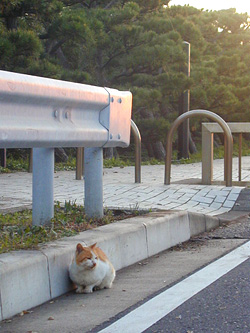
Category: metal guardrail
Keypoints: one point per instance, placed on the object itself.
(228, 145)
(43, 113)
(53, 113)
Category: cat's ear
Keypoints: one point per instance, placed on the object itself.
(93, 246)
(79, 248)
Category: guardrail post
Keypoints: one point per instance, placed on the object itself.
(43, 186)
(93, 184)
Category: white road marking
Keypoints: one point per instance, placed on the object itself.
(158, 307)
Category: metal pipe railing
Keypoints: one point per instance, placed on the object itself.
(228, 136)
(79, 163)
(137, 137)
(240, 156)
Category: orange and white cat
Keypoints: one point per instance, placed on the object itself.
(91, 268)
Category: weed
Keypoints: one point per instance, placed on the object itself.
(17, 231)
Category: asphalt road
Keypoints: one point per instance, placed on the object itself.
(213, 299)
(224, 306)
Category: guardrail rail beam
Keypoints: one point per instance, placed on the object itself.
(44, 113)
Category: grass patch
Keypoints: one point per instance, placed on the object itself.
(15, 165)
(21, 164)
(218, 154)
(18, 233)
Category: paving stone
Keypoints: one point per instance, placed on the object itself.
(202, 199)
(121, 191)
(215, 205)
(228, 203)
(220, 199)
(233, 196)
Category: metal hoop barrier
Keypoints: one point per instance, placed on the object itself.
(79, 163)
(228, 142)
(137, 137)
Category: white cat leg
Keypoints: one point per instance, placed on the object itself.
(80, 290)
(98, 285)
(107, 282)
(88, 289)
(105, 285)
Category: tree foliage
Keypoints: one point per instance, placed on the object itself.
(138, 46)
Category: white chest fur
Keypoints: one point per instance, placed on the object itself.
(84, 277)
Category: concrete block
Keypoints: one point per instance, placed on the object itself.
(124, 242)
(24, 281)
(211, 222)
(59, 256)
(1, 311)
(197, 223)
(165, 230)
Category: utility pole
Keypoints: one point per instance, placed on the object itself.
(184, 106)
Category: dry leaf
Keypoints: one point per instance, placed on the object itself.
(51, 318)
(27, 312)
(24, 313)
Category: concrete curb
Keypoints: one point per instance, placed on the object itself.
(30, 278)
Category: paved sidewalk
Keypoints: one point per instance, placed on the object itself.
(120, 191)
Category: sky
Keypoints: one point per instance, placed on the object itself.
(241, 6)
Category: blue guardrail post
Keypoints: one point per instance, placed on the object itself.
(43, 186)
(93, 183)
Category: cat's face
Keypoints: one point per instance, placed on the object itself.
(86, 256)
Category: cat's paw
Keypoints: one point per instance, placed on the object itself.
(88, 290)
(80, 290)
(108, 286)
(105, 286)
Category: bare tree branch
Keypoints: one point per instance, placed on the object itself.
(110, 4)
